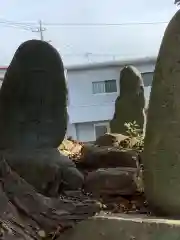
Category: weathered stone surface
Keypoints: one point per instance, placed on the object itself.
(26, 214)
(126, 227)
(33, 98)
(46, 169)
(129, 106)
(120, 181)
(161, 156)
(115, 140)
(94, 157)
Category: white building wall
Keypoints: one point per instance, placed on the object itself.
(71, 131)
(86, 108)
(2, 73)
(85, 131)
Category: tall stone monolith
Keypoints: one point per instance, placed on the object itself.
(161, 156)
(33, 119)
(33, 98)
(129, 106)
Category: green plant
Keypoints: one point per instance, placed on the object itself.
(134, 131)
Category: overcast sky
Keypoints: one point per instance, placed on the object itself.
(103, 42)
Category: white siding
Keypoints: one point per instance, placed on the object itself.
(84, 106)
(2, 72)
(71, 131)
(86, 131)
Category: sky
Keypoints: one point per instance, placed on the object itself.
(83, 44)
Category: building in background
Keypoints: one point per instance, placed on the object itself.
(92, 91)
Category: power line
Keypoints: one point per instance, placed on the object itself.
(33, 24)
(14, 26)
(103, 24)
(38, 27)
(25, 26)
(5, 21)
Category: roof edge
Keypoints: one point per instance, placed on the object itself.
(123, 62)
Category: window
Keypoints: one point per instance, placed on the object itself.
(148, 78)
(100, 129)
(1, 81)
(65, 75)
(108, 86)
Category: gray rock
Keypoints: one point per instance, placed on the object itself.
(48, 171)
(161, 156)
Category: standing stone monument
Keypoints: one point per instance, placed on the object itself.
(161, 156)
(129, 106)
(33, 118)
(33, 98)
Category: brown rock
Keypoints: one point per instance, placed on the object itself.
(115, 140)
(94, 157)
(111, 139)
(111, 181)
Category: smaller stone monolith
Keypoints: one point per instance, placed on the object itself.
(129, 106)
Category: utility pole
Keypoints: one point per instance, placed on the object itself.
(40, 30)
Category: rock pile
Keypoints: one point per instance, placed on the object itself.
(112, 174)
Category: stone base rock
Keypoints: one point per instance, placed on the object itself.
(125, 227)
(111, 181)
(116, 140)
(25, 214)
(48, 171)
(111, 139)
(94, 157)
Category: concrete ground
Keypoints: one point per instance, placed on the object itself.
(124, 227)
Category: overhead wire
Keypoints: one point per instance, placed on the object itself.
(33, 26)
